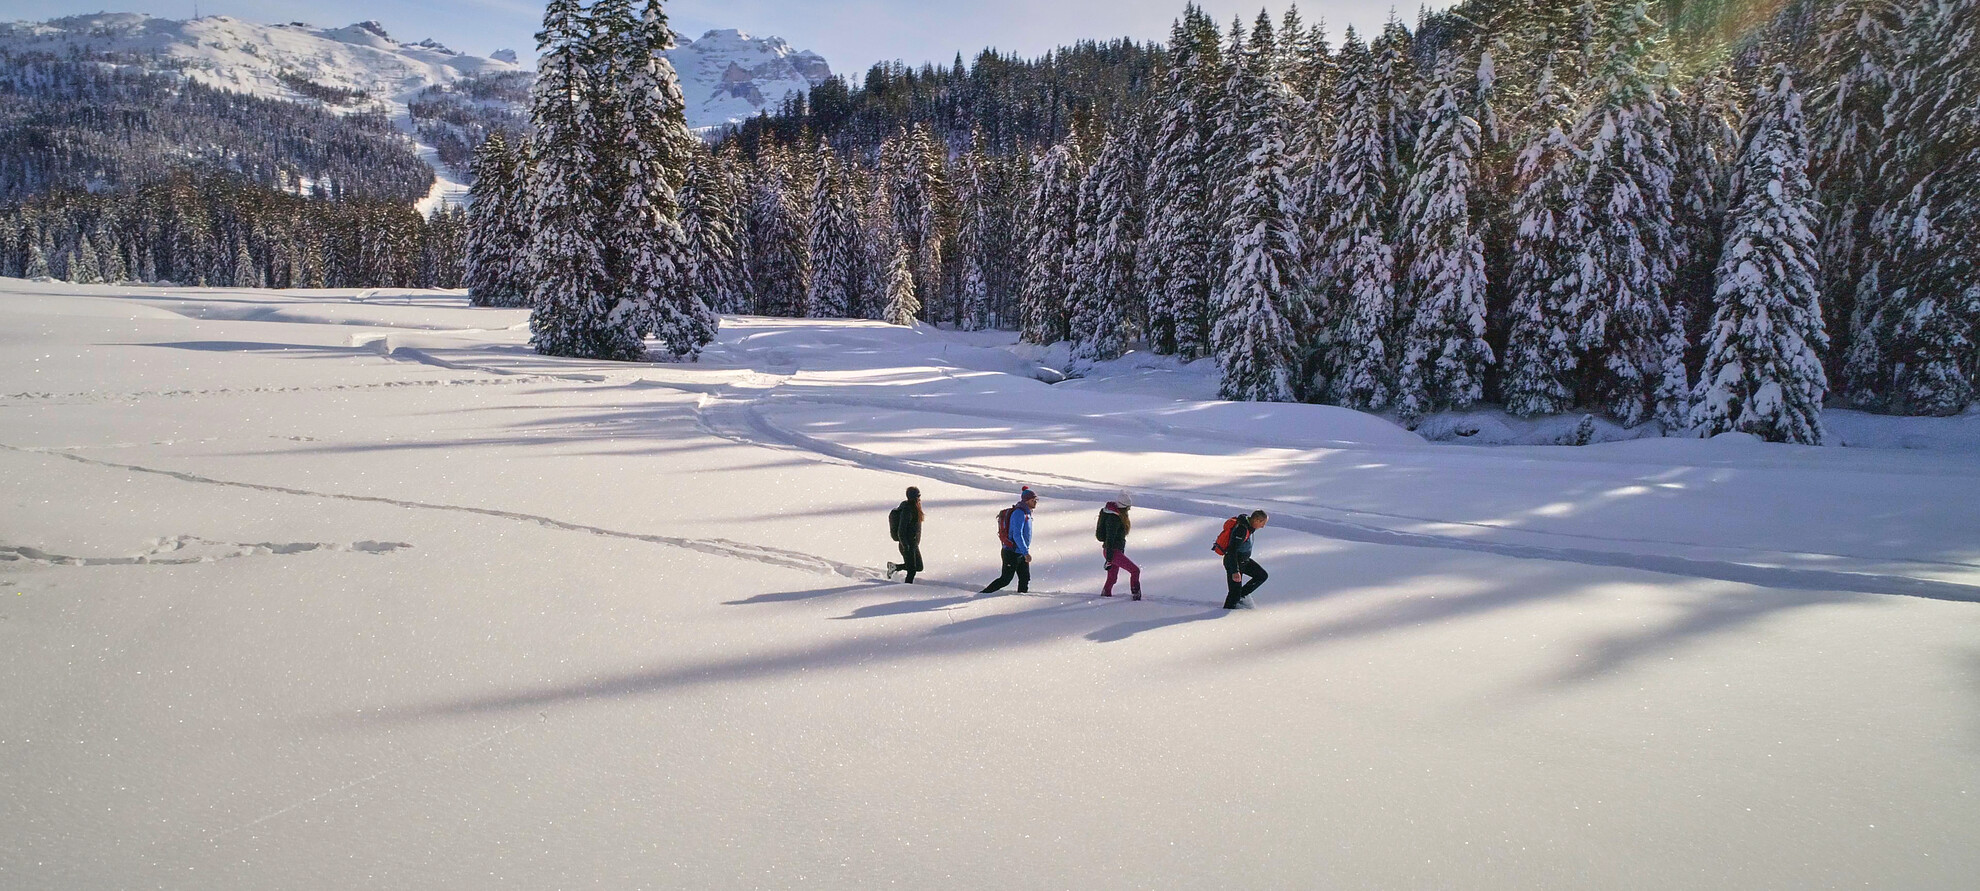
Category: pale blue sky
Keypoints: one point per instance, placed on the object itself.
(851, 34)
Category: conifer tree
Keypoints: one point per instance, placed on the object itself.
(1179, 239)
(246, 275)
(1051, 232)
(1854, 72)
(85, 268)
(1356, 266)
(902, 305)
(713, 224)
(1105, 286)
(1763, 372)
(835, 253)
(1550, 226)
(649, 147)
(1256, 305)
(497, 234)
(1916, 353)
(571, 296)
(778, 261)
(973, 206)
(1444, 354)
(1638, 356)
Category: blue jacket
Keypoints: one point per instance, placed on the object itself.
(1021, 530)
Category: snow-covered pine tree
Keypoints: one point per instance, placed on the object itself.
(649, 146)
(1918, 352)
(712, 224)
(1356, 266)
(1444, 354)
(497, 237)
(778, 260)
(1855, 70)
(1051, 233)
(1257, 302)
(1631, 349)
(1705, 139)
(835, 257)
(1107, 310)
(1393, 79)
(974, 194)
(903, 307)
(1763, 369)
(929, 164)
(1550, 227)
(571, 295)
(246, 273)
(86, 269)
(111, 253)
(1179, 235)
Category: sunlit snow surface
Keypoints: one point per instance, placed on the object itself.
(351, 589)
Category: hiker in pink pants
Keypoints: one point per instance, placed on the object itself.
(1112, 531)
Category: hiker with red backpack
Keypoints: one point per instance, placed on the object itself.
(1234, 545)
(1112, 530)
(905, 524)
(1014, 533)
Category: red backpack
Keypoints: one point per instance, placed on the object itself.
(1004, 527)
(1224, 538)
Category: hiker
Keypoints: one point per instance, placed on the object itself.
(1014, 533)
(906, 526)
(1112, 530)
(1235, 546)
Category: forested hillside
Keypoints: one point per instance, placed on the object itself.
(1705, 216)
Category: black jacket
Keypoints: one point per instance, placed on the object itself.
(1113, 532)
(1240, 548)
(910, 523)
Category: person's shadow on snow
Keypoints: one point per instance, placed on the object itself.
(1124, 630)
(794, 596)
(904, 607)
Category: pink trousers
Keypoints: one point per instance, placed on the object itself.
(1114, 568)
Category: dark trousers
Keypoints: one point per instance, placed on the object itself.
(910, 559)
(1014, 565)
(1252, 571)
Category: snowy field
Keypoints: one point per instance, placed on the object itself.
(350, 589)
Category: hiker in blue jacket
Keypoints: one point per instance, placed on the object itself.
(1014, 533)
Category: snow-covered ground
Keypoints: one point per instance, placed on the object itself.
(350, 589)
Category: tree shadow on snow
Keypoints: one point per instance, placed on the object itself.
(1124, 630)
(796, 596)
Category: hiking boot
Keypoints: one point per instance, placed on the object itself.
(891, 569)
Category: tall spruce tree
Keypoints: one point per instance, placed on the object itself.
(1051, 232)
(1180, 238)
(1550, 226)
(902, 305)
(1444, 354)
(1763, 369)
(1637, 356)
(835, 250)
(648, 148)
(1919, 350)
(1105, 287)
(712, 225)
(1357, 266)
(778, 261)
(1257, 303)
(498, 231)
(571, 297)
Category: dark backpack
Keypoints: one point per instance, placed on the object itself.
(894, 523)
(1224, 538)
(1004, 527)
(1100, 527)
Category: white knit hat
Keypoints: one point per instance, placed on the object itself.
(1124, 499)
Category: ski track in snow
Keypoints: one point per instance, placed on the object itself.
(718, 547)
(160, 553)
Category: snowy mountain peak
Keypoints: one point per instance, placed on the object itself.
(247, 57)
(729, 75)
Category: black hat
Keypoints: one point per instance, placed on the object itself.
(913, 493)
